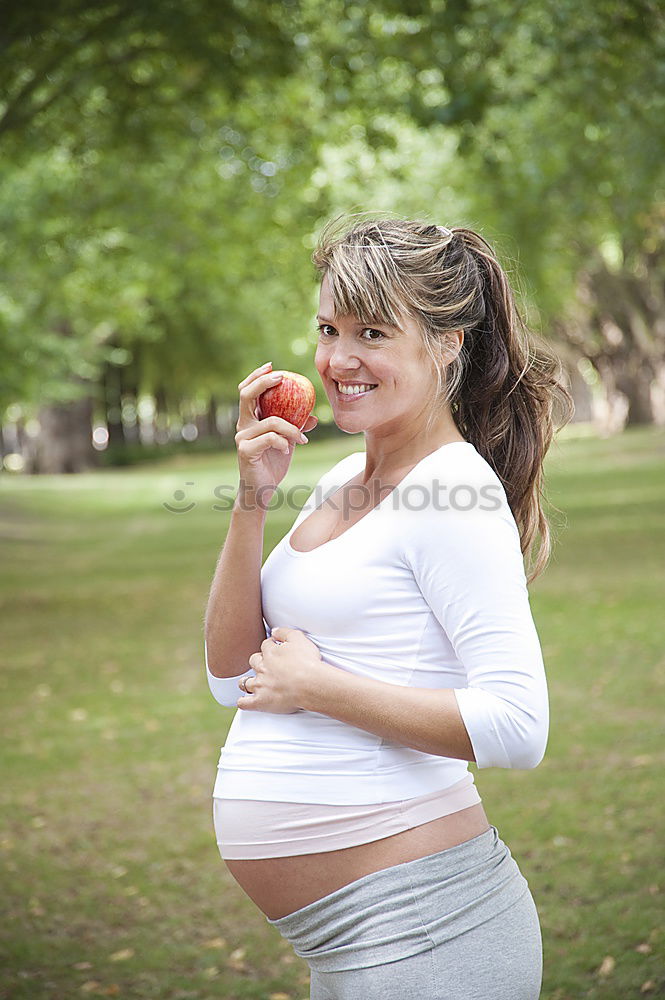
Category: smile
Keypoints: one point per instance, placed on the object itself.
(353, 391)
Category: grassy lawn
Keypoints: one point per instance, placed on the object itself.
(112, 884)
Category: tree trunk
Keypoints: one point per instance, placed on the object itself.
(64, 443)
(635, 382)
(211, 417)
(112, 386)
(130, 397)
(612, 407)
(161, 418)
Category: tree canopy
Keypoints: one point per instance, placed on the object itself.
(167, 167)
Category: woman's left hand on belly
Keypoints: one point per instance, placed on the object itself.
(284, 669)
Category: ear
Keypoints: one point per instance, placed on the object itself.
(457, 335)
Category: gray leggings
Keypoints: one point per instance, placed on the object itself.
(457, 925)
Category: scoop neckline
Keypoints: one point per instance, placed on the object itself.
(298, 553)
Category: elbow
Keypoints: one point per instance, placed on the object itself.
(528, 741)
(504, 733)
(529, 756)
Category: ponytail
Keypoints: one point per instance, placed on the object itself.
(507, 394)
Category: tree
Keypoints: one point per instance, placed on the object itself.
(125, 69)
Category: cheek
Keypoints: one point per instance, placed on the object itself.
(320, 360)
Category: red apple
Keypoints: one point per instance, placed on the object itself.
(292, 399)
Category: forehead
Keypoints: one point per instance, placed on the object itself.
(325, 297)
(327, 309)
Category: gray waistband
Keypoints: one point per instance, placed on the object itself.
(407, 908)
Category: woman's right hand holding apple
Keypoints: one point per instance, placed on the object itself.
(264, 446)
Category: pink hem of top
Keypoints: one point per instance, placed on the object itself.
(249, 828)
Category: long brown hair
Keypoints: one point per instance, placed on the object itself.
(503, 385)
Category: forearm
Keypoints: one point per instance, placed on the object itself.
(425, 719)
(234, 626)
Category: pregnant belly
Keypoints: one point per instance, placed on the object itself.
(286, 882)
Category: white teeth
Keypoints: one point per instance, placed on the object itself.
(354, 390)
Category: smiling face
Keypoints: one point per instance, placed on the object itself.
(393, 360)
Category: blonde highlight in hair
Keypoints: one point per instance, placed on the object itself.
(503, 385)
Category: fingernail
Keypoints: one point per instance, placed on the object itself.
(266, 365)
(303, 438)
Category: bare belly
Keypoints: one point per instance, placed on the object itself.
(279, 886)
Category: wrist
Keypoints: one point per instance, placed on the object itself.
(252, 502)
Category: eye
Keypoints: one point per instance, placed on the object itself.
(323, 329)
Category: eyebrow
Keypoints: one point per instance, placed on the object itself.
(389, 326)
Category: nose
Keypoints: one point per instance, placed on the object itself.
(342, 358)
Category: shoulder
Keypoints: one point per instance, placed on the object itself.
(454, 478)
(455, 503)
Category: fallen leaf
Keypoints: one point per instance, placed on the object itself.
(644, 948)
(647, 986)
(560, 841)
(91, 986)
(83, 965)
(122, 955)
(279, 996)
(215, 943)
(606, 966)
(236, 961)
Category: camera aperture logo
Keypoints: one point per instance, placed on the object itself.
(179, 496)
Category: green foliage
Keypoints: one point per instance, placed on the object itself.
(168, 166)
(130, 71)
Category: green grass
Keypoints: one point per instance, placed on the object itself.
(112, 884)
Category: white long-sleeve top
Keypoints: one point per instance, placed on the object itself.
(427, 590)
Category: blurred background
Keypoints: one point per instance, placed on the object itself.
(166, 170)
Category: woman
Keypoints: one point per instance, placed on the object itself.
(389, 634)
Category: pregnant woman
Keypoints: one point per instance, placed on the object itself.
(388, 639)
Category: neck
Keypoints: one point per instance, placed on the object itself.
(387, 455)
